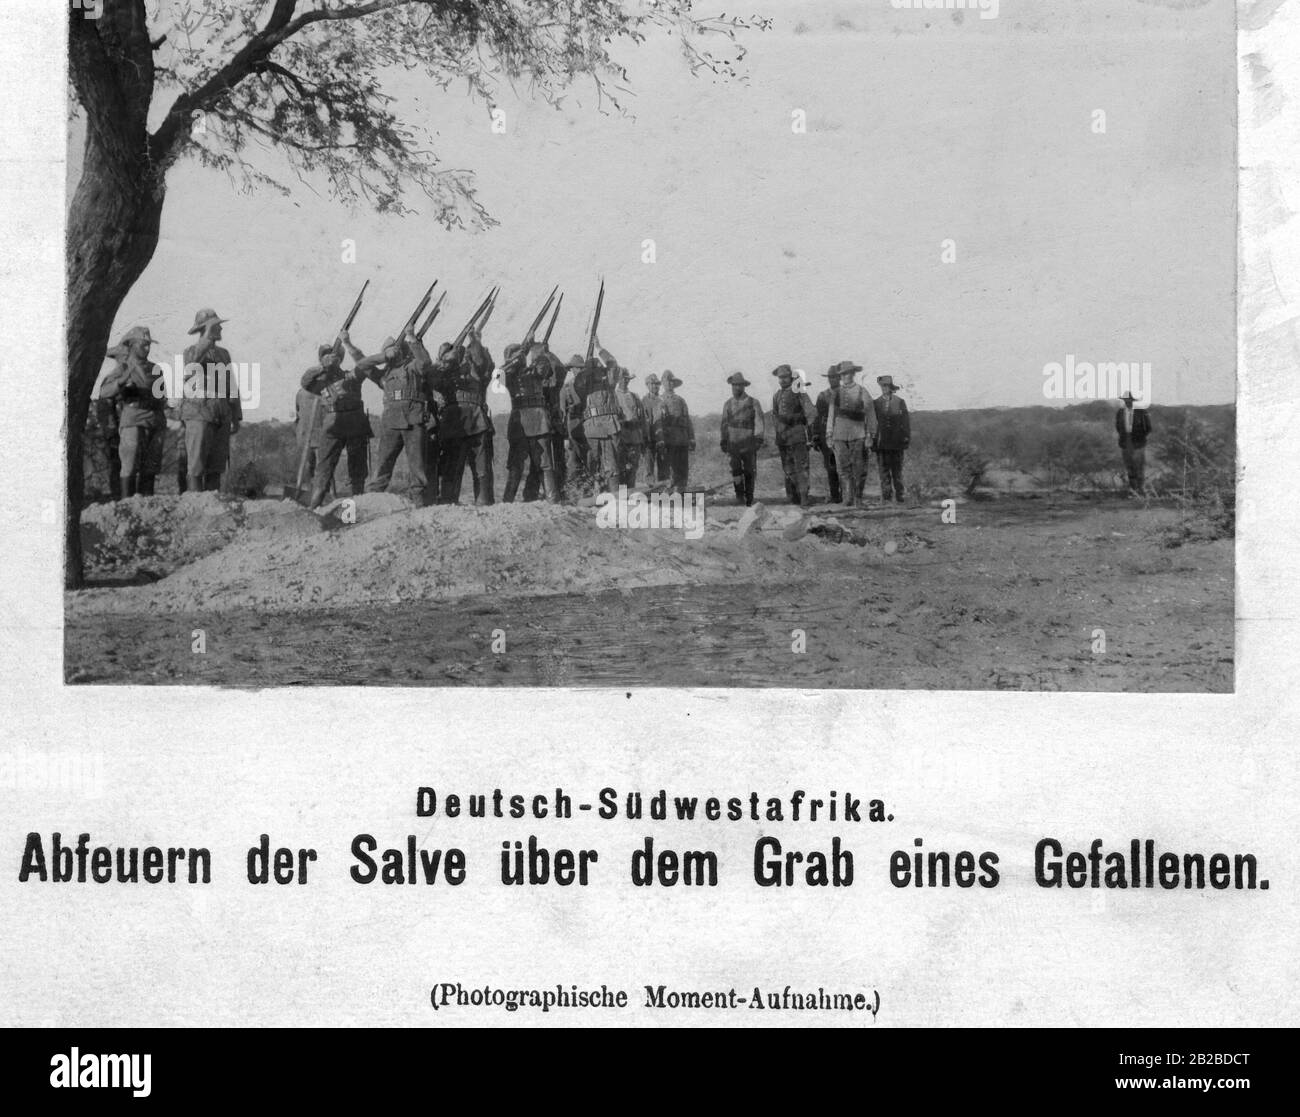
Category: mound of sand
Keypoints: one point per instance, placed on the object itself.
(159, 534)
(276, 555)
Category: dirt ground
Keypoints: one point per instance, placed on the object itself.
(1022, 593)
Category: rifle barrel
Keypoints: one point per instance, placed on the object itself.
(547, 339)
(595, 321)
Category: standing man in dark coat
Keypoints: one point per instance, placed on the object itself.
(656, 468)
(403, 370)
(1133, 426)
(526, 373)
(848, 422)
(822, 439)
(793, 417)
(633, 432)
(602, 421)
(743, 432)
(342, 414)
(678, 433)
(211, 409)
(893, 435)
(572, 405)
(461, 377)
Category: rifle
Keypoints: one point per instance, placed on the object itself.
(528, 337)
(474, 318)
(410, 322)
(432, 315)
(595, 322)
(488, 313)
(546, 340)
(356, 306)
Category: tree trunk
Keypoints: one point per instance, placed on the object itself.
(112, 235)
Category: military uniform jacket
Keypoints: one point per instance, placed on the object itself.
(793, 416)
(601, 416)
(848, 419)
(571, 405)
(139, 386)
(742, 424)
(463, 386)
(1137, 438)
(206, 398)
(530, 414)
(675, 421)
(409, 400)
(893, 427)
(633, 417)
(342, 412)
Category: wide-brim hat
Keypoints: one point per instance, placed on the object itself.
(652, 379)
(389, 342)
(886, 381)
(783, 370)
(671, 378)
(832, 373)
(512, 349)
(846, 367)
(322, 351)
(205, 317)
(137, 333)
(576, 361)
(738, 378)
(1129, 396)
(624, 374)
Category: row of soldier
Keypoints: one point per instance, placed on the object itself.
(573, 421)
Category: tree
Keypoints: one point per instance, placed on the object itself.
(156, 79)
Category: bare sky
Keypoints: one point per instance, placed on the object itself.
(774, 246)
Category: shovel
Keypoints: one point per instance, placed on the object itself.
(302, 492)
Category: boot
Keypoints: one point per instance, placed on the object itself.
(146, 484)
(512, 485)
(115, 486)
(551, 483)
(738, 483)
(749, 491)
(128, 486)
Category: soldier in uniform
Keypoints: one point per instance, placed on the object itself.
(848, 421)
(343, 421)
(138, 384)
(572, 405)
(651, 407)
(461, 377)
(402, 369)
(211, 409)
(526, 374)
(793, 416)
(892, 436)
(822, 440)
(678, 433)
(1133, 426)
(633, 433)
(106, 420)
(602, 421)
(743, 432)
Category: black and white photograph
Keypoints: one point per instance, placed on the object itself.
(863, 345)
(572, 514)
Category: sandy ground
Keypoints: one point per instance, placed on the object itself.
(1009, 597)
